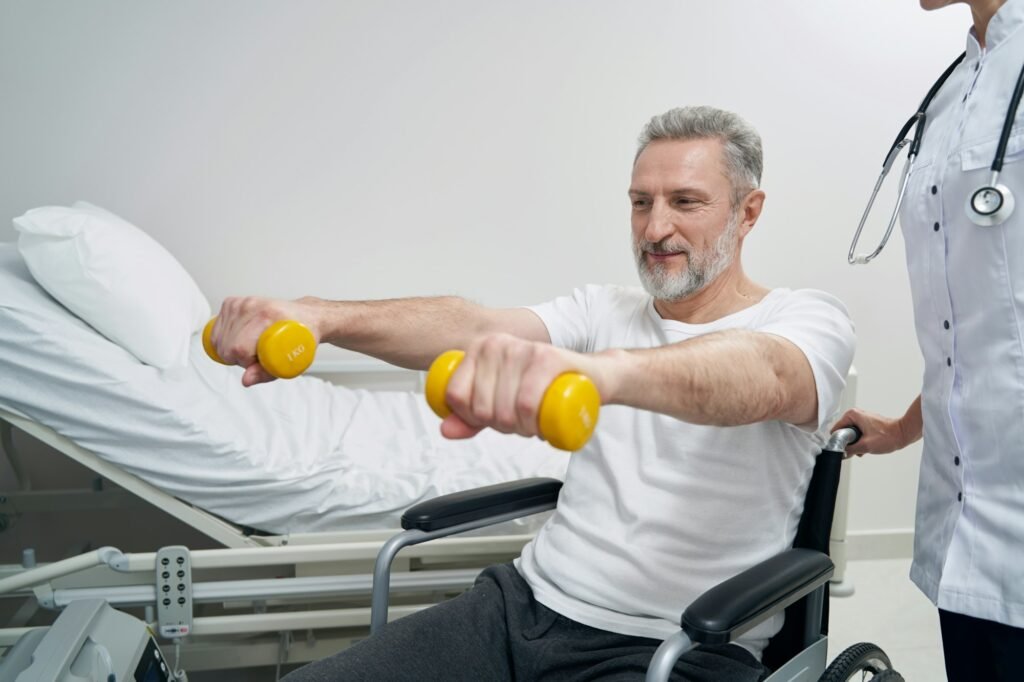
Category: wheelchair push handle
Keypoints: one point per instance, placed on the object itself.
(568, 411)
(285, 349)
(842, 439)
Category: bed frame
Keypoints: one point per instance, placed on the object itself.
(253, 591)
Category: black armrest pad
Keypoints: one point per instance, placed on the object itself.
(480, 503)
(734, 606)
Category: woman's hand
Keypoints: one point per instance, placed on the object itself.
(881, 435)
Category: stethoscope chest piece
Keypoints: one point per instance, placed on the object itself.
(990, 205)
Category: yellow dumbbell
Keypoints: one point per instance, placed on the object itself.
(285, 348)
(568, 411)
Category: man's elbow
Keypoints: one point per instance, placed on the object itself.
(798, 404)
(796, 389)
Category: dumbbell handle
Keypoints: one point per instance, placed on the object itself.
(285, 349)
(568, 411)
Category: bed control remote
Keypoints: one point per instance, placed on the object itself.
(173, 591)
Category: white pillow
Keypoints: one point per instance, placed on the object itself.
(115, 277)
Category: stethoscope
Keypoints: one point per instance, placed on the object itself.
(989, 205)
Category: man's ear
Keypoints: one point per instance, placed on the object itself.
(753, 203)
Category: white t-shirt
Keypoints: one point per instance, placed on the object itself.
(655, 510)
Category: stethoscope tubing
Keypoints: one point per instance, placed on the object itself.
(919, 119)
(1011, 116)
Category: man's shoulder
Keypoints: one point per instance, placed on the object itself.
(810, 301)
(814, 320)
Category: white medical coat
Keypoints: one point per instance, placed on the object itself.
(968, 291)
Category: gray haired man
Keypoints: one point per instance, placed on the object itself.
(717, 393)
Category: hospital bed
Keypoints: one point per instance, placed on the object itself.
(264, 583)
(288, 483)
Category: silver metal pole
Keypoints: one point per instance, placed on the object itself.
(665, 657)
(382, 567)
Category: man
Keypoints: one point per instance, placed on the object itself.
(716, 394)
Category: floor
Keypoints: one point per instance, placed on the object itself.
(885, 609)
(888, 610)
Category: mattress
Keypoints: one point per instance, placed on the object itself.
(289, 456)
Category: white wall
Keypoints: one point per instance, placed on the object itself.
(480, 148)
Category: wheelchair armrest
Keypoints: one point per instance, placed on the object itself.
(735, 605)
(481, 503)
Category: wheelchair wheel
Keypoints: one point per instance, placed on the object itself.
(862, 661)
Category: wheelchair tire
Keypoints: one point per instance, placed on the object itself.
(859, 660)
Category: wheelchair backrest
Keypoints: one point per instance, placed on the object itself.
(812, 533)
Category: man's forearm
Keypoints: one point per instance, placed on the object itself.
(724, 379)
(411, 332)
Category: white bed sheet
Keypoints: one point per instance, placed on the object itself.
(289, 456)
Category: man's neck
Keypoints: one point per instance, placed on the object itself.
(730, 292)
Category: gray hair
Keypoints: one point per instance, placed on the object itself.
(741, 143)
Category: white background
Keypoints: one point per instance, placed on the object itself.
(357, 150)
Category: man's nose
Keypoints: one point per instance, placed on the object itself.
(659, 223)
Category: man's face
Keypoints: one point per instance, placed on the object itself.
(684, 226)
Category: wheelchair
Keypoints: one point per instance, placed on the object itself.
(795, 580)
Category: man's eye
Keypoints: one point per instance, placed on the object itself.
(639, 203)
(684, 201)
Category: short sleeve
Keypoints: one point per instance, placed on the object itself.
(819, 325)
(568, 318)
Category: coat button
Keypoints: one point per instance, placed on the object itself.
(936, 227)
(949, 362)
(956, 461)
(959, 497)
(945, 324)
(935, 189)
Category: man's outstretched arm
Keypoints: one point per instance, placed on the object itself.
(725, 379)
(407, 332)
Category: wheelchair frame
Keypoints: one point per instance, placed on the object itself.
(795, 580)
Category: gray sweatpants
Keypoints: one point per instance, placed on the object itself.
(497, 631)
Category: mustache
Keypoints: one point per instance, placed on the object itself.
(662, 247)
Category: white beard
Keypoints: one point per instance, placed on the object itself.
(702, 268)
